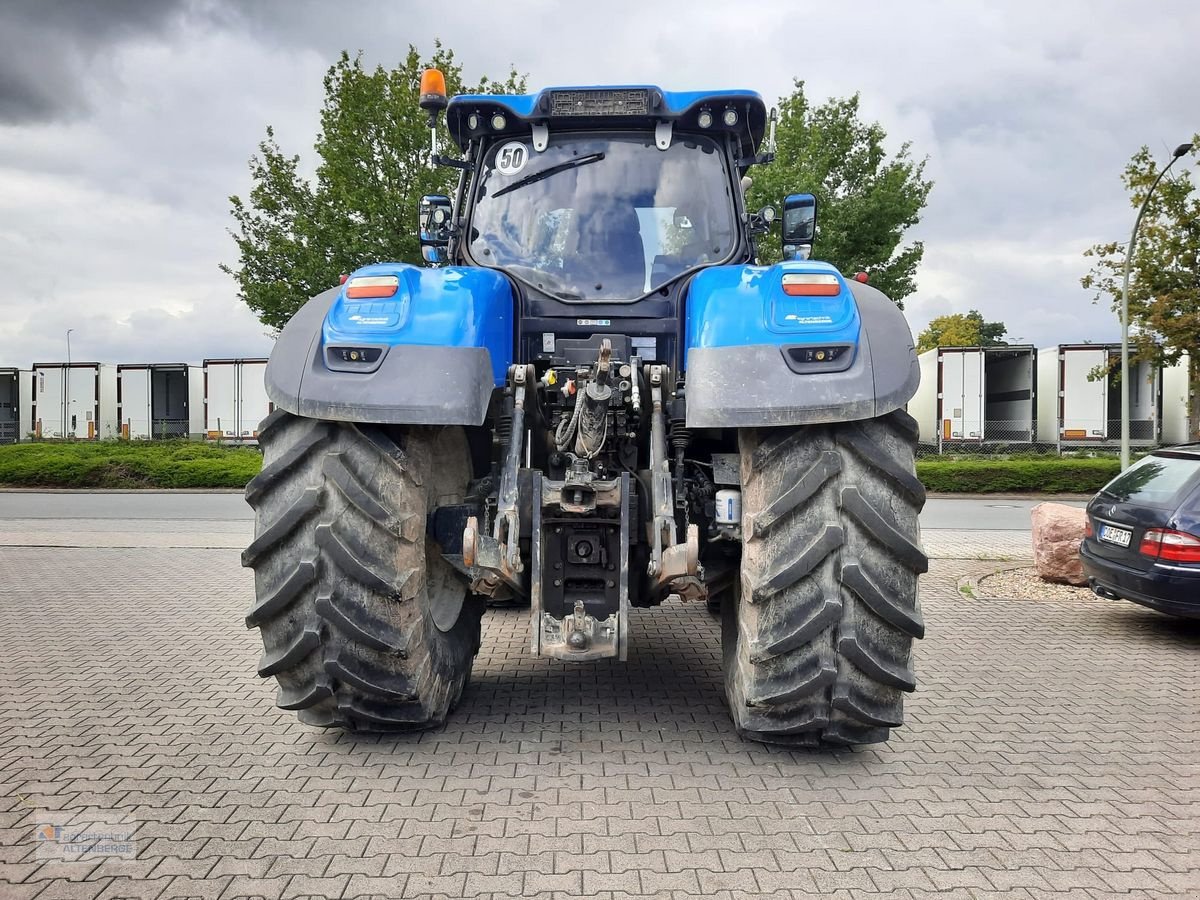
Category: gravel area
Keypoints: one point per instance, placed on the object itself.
(1024, 584)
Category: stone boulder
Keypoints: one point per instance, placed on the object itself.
(1057, 533)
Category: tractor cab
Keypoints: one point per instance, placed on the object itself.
(600, 195)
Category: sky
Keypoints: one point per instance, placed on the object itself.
(126, 124)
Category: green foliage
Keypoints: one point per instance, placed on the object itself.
(1049, 475)
(1164, 286)
(295, 237)
(128, 464)
(961, 330)
(866, 200)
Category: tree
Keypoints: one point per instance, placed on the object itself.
(866, 200)
(1164, 284)
(961, 330)
(295, 236)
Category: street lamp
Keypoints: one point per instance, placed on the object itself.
(67, 386)
(1179, 151)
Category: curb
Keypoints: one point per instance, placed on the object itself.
(5, 489)
(946, 495)
(968, 585)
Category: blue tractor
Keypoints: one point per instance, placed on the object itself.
(590, 399)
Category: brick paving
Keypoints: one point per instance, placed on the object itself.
(1051, 748)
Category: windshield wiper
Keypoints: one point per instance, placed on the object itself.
(546, 173)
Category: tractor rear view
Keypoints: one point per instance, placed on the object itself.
(592, 399)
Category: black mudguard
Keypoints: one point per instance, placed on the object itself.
(751, 386)
(410, 385)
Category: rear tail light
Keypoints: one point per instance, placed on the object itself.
(366, 286)
(1088, 530)
(811, 284)
(1169, 545)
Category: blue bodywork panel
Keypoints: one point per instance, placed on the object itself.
(455, 306)
(731, 306)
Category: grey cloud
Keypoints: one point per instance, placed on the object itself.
(48, 46)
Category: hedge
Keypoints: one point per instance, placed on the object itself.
(184, 464)
(995, 476)
(127, 464)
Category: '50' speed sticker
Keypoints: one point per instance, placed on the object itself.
(511, 158)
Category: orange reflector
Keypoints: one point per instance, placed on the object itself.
(945, 429)
(372, 286)
(1075, 434)
(803, 284)
(433, 89)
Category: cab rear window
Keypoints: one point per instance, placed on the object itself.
(1155, 480)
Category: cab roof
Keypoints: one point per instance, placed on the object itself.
(607, 107)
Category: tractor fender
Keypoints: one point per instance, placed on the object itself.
(430, 354)
(745, 358)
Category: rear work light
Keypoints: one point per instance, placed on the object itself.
(372, 286)
(1168, 545)
(803, 284)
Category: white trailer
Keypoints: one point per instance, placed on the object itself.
(235, 398)
(10, 406)
(973, 395)
(160, 400)
(25, 398)
(1178, 403)
(1080, 390)
(75, 401)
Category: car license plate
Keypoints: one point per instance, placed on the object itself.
(1114, 535)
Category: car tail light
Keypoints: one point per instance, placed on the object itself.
(1088, 530)
(1170, 546)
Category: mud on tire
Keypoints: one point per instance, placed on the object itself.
(817, 646)
(364, 625)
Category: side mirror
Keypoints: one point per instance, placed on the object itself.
(435, 219)
(799, 225)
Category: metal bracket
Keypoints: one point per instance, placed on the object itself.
(541, 137)
(579, 636)
(662, 526)
(673, 567)
(662, 134)
(497, 559)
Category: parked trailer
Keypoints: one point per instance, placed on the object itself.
(1078, 409)
(160, 400)
(1177, 404)
(75, 400)
(975, 395)
(235, 398)
(10, 406)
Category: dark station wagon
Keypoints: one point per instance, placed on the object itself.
(1143, 534)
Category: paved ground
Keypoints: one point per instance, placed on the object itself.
(1050, 748)
(991, 513)
(994, 528)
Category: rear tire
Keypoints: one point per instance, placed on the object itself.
(818, 636)
(364, 625)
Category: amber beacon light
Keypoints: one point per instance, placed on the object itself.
(433, 91)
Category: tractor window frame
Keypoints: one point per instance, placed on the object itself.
(740, 245)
